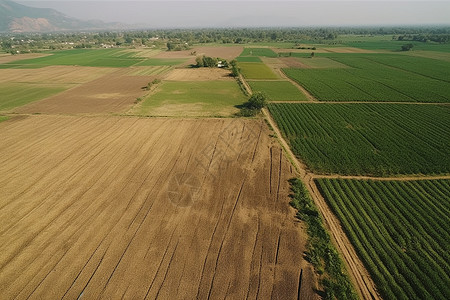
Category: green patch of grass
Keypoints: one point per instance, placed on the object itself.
(18, 94)
(278, 90)
(256, 71)
(194, 98)
(86, 58)
(258, 52)
(367, 139)
(162, 62)
(248, 59)
(3, 118)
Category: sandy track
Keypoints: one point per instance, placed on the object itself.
(114, 92)
(364, 284)
(146, 208)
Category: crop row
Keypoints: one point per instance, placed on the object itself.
(378, 78)
(400, 231)
(367, 139)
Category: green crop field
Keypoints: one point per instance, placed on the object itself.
(162, 62)
(256, 71)
(322, 62)
(18, 94)
(388, 78)
(258, 52)
(400, 230)
(278, 90)
(386, 43)
(368, 139)
(84, 57)
(196, 98)
(248, 59)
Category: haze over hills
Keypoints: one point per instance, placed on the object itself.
(15, 17)
(44, 16)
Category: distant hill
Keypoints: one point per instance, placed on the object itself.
(15, 17)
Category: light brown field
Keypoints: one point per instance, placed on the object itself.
(228, 53)
(109, 207)
(175, 54)
(114, 92)
(294, 62)
(6, 58)
(200, 74)
(54, 74)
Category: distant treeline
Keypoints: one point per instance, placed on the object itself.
(183, 38)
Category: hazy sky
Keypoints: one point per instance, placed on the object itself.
(229, 13)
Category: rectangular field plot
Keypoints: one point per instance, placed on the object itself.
(248, 59)
(17, 94)
(114, 92)
(255, 70)
(135, 208)
(162, 62)
(258, 52)
(85, 57)
(374, 77)
(368, 139)
(321, 63)
(400, 230)
(148, 71)
(278, 90)
(193, 98)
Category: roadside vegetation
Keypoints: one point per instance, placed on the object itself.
(321, 252)
(400, 231)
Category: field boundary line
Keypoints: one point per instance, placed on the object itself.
(359, 275)
(296, 84)
(400, 178)
(362, 102)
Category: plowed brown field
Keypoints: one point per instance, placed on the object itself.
(108, 207)
(114, 92)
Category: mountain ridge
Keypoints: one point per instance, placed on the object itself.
(17, 18)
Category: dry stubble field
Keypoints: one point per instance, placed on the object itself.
(124, 207)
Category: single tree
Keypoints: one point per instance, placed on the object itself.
(257, 101)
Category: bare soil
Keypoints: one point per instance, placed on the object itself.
(113, 92)
(198, 74)
(293, 62)
(228, 53)
(10, 58)
(54, 74)
(133, 208)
